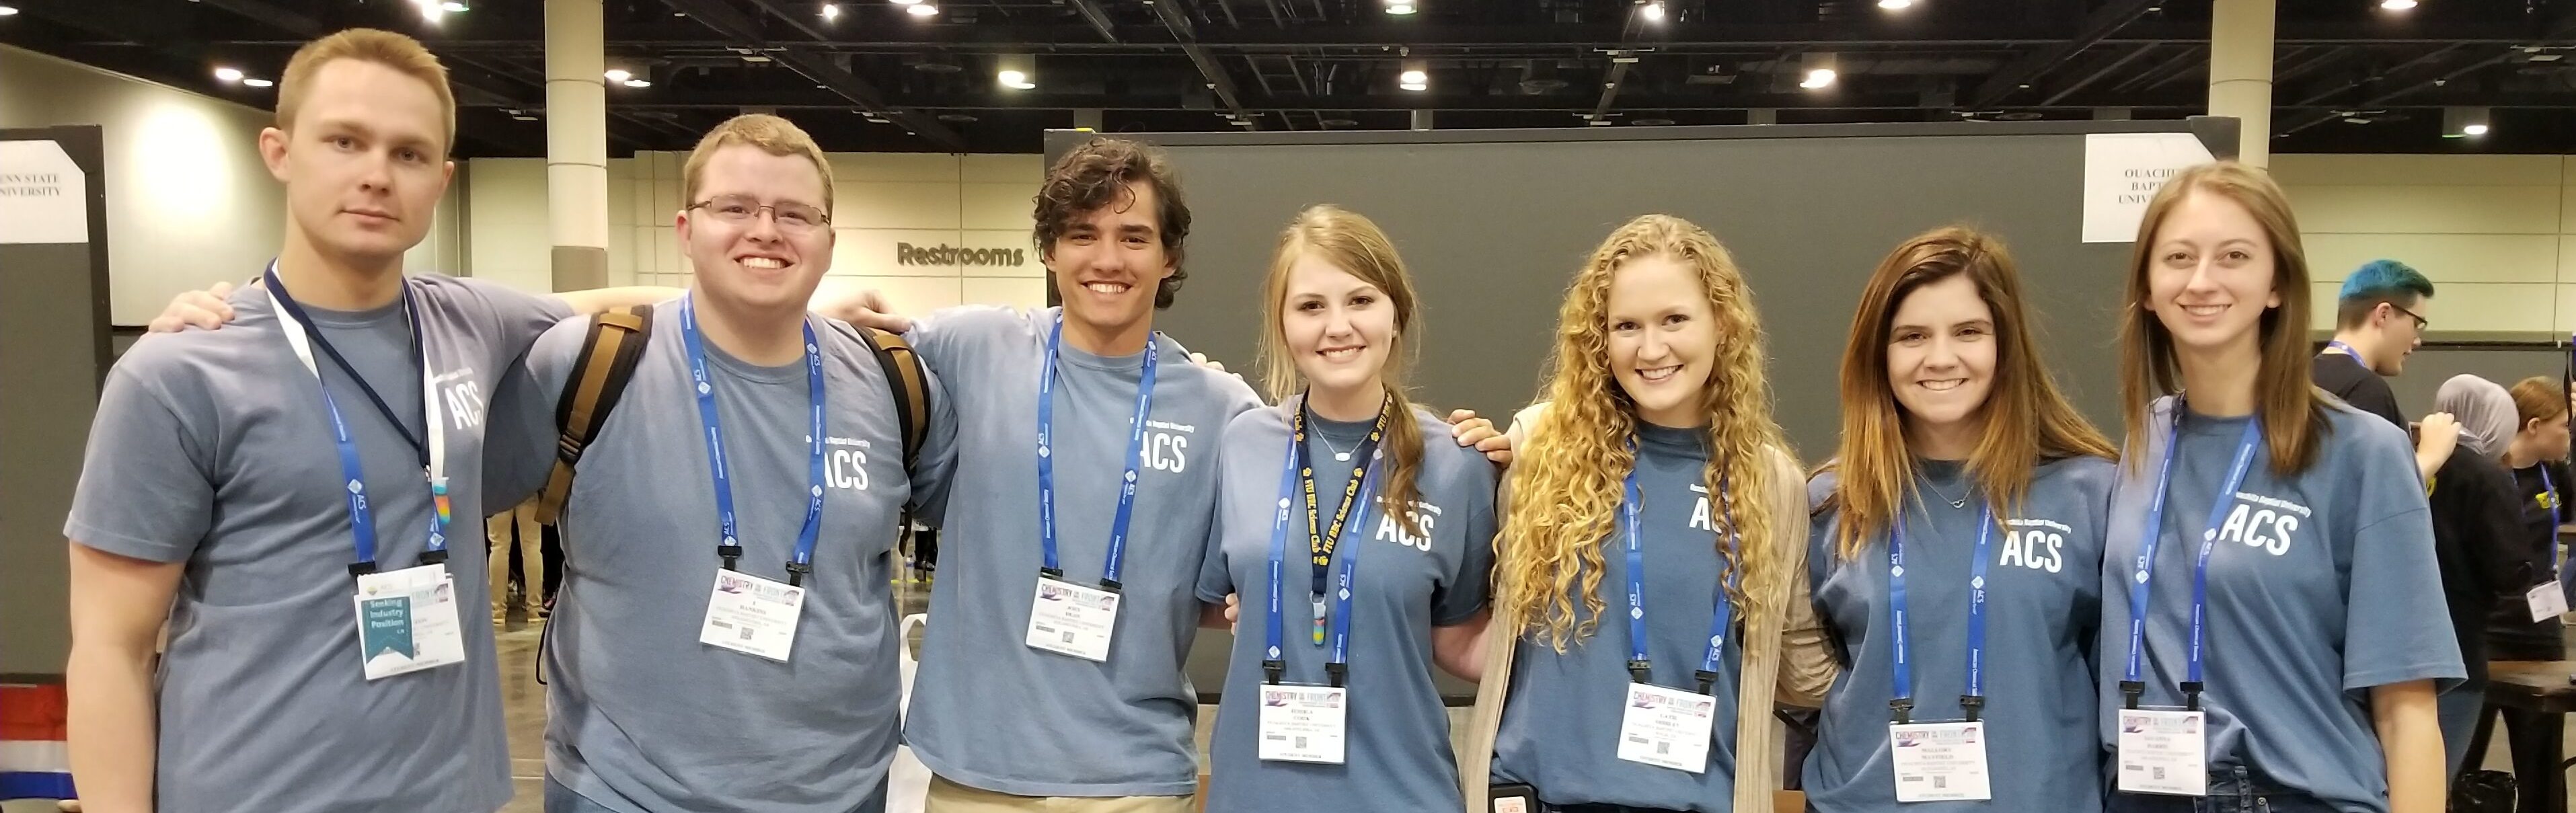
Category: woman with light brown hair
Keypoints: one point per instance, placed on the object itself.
(1957, 550)
(2273, 626)
(1650, 585)
(1358, 536)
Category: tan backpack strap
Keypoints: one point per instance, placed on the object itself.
(599, 375)
(911, 385)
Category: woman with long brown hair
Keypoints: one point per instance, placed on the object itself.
(1359, 537)
(1956, 550)
(2272, 615)
(1649, 578)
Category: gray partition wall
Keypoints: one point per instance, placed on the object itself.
(53, 354)
(1494, 223)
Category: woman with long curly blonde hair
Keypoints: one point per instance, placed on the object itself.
(1654, 491)
(1961, 462)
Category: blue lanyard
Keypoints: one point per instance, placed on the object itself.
(2134, 686)
(1337, 668)
(1641, 668)
(1119, 523)
(1975, 700)
(301, 337)
(2337, 345)
(729, 547)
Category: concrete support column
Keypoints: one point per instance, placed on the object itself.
(2240, 73)
(576, 144)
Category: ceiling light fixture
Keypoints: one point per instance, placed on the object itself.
(831, 11)
(2474, 130)
(1896, 5)
(2396, 5)
(1016, 80)
(1399, 7)
(8, 11)
(1818, 78)
(618, 75)
(1416, 76)
(259, 83)
(922, 10)
(639, 83)
(228, 74)
(452, 7)
(1654, 11)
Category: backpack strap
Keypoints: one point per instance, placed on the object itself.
(911, 385)
(599, 376)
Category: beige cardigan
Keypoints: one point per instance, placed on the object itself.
(1785, 660)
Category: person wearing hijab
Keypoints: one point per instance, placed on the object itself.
(2475, 527)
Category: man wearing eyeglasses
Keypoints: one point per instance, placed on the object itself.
(726, 638)
(2378, 323)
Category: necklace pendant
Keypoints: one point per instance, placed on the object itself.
(1959, 503)
(1342, 456)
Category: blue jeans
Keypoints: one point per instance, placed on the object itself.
(561, 799)
(2232, 789)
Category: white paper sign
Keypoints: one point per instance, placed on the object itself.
(2547, 601)
(44, 197)
(2122, 171)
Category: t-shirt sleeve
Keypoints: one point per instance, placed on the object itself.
(937, 464)
(147, 483)
(2396, 626)
(518, 318)
(948, 338)
(1216, 579)
(1467, 586)
(519, 441)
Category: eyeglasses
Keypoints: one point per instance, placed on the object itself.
(2421, 323)
(790, 216)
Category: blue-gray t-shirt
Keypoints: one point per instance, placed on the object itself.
(642, 716)
(1560, 728)
(989, 712)
(2043, 596)
(1396, 752)
(213, 448)
(2320, 587)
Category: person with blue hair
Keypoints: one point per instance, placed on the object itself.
(2379, 321)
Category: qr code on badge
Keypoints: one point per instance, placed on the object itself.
(1301, 743)
(1068, 636)
(1663, 749)
(1940, 783)
(746, 633)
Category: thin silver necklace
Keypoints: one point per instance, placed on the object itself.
(1961, 502)
(1338, 453)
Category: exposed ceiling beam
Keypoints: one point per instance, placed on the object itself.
(2059, 94)
(1186, 33)
(2097, 26)
(1620, 59)
(743, 30)
(1099, 18)
(2558, 30)
(468, 92)
(2403, 75)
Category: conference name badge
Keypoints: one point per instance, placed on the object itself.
(2547, 601)
(752, 615)
(407, 621)
(1939, 762)
(1303, 723)
(2164, 752)
(1070, 619)
(1666, 728)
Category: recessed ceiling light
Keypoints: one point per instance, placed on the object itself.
(1895, 5)
(638, 83)
(1399, 8)
(8, 11)
(2396, 5)
(1818, 78)
(922, 10)
(259, 83)
(2474, 129)
(831, 11)
(618, 75)
(1654, 12)
(452, 7)
(1413, 77)
(228, 74)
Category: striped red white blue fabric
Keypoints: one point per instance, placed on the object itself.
(34, 761)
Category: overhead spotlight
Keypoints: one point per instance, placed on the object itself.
(1399, 7)
(452, 7)
(1822, 68)
(831, 11)
(8, 11)
(2459, 122)
(1016, 80)
(2396, 5)
(618, 75)
(922, 10)
(1820, 77)
(1896, 5)
(259, 83)
(2474, 130)
(1416, 76)
(907, 2)
(1653, 11)
(435, 10)
(638, 83)
(228, 74)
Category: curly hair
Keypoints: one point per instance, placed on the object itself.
(1095, 176)
(1353, 243)
(2025, 419)
(1566, 490)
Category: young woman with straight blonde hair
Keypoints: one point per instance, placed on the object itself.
(2273, 626)
(1358, 536)
(1652, 563)
(1957, 550)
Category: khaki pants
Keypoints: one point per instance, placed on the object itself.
(950, 797)
(517, 529)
